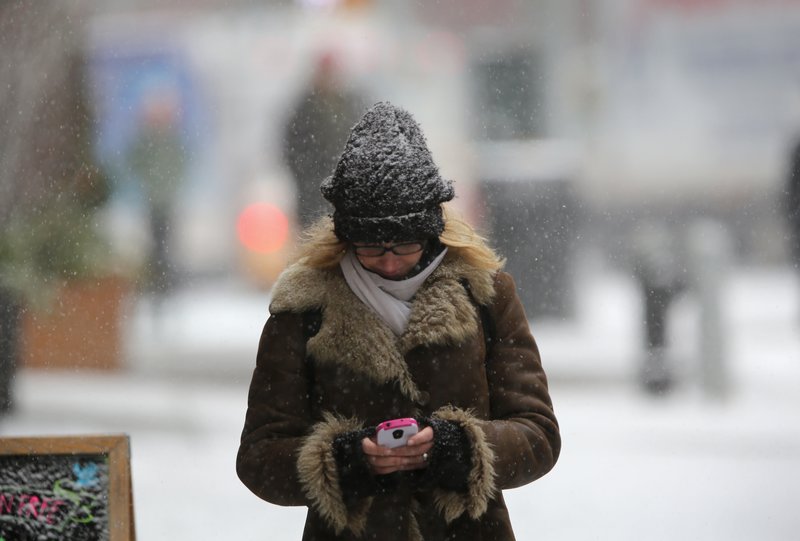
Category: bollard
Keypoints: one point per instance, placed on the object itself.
(710, 257)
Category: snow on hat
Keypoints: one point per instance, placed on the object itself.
(385, 185)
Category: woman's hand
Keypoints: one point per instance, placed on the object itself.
(383, 460)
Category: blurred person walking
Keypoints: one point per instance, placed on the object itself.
(315, 134)
(395, 309)
(660, 268)
(157, 158)
(793, 208)
(793, 204)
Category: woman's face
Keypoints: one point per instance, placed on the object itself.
(392, 261)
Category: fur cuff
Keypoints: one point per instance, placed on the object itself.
(319, 476)
(480, 483)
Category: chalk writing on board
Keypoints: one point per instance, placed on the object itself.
(54, 498)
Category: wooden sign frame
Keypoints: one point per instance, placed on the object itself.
(116, 447)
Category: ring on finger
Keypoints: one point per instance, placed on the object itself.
(424, 457)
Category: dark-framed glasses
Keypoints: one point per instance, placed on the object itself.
(377, 250)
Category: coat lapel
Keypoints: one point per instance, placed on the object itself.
(351, 334)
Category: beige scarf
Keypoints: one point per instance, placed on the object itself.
(390, 299)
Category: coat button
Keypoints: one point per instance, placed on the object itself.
(424, 398)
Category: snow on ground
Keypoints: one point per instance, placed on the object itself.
(682, 466)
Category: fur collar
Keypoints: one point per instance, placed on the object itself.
(442, 313)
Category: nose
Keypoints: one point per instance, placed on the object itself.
(389, 264)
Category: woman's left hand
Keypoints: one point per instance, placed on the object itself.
(414, 456)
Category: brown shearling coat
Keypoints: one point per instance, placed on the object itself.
(355, 373)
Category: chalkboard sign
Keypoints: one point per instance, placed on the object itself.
(75, 488)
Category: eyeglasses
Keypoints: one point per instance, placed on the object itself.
(377, 250)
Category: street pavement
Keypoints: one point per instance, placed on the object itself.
(688, 464)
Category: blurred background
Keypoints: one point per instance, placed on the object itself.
(632, 159)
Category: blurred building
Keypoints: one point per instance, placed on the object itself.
(563, 123)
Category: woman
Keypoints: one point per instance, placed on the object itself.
(393, 311)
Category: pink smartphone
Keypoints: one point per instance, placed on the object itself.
(395, 433)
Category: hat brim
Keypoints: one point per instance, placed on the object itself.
(424, 224)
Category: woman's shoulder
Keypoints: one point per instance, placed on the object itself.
(504, 286)
(301, 288)
(482, 282)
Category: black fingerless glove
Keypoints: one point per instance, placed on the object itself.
(355, 479)
(449, 463)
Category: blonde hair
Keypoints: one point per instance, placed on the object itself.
(320, 248)
(463, 241)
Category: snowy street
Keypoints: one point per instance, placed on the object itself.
(682, 466)
(634, 164)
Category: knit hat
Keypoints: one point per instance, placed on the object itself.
(385, 185)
